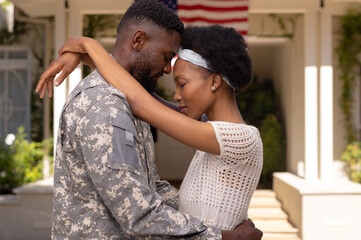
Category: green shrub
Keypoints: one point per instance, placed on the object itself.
(352, 155)
(22, 161)
(260, 107)
(258, 101)
(274, 149)
(7, 179)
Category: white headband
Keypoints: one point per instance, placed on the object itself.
(196, 59)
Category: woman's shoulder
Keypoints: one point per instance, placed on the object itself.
(237, 138)
(234, 127)
(235, 133)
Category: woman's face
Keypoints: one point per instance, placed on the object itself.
(193, 88)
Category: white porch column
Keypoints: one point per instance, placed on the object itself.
(75, 20)
(311, 100)
(326, 98)
(59, 92)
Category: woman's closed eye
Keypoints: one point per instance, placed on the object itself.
(182, 84)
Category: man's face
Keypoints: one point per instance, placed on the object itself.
(155, 59)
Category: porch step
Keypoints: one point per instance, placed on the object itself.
(275, 226)
(264, 193)
(276, 236)
(258, 202)
(266, 213)
(262, 213)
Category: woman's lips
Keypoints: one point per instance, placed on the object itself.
(182, 108)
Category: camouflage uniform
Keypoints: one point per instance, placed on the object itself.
(105, 180)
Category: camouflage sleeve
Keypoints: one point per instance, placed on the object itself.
(169, 193)
(108, 144)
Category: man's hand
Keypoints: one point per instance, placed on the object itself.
(65, 63)
(245, 231)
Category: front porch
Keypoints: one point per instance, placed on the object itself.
(27, 215)
(315, 203)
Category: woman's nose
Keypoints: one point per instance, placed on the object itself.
(176, 96)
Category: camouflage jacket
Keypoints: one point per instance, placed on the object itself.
(105, 180)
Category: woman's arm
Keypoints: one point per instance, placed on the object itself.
(165, 102)
(193, 133)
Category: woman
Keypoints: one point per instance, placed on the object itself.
(211, 69)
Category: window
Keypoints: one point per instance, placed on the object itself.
(15, 87)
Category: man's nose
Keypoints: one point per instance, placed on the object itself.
(167, 68)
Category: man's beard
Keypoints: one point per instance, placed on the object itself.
(142, 71)
(149, 84)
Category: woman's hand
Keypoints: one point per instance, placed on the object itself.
(75, 45)
(71, 53)
(66, 64)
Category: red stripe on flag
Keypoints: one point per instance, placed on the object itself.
(215, 21)
(243, 33)
(234, 14)
(214, 9)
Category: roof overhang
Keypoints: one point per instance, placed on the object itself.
(336, 7)
(46, 8)
(37, 8)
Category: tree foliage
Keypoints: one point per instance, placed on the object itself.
(352, 156)
(348, 51)
(22, 161)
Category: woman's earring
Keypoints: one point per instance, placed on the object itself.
(213, 88)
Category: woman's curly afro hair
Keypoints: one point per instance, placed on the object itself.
(224, 50)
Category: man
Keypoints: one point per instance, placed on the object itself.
(105, 180)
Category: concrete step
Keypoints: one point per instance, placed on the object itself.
(264, 193)
(275, 226)
(264, 202)
(262, 213)
(276, 236)
(9, 199)
(266, 213)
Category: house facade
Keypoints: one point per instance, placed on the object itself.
(314, 191)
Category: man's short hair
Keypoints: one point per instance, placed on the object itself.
(151, 11)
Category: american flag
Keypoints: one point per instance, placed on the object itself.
(228, 13)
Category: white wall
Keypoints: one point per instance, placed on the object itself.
(263, 58)
(320, 210)
(282, 60)
(172, 158)
(295, 113)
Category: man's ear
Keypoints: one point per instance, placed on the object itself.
(139, 39)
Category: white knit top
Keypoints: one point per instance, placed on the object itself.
(218, 189)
